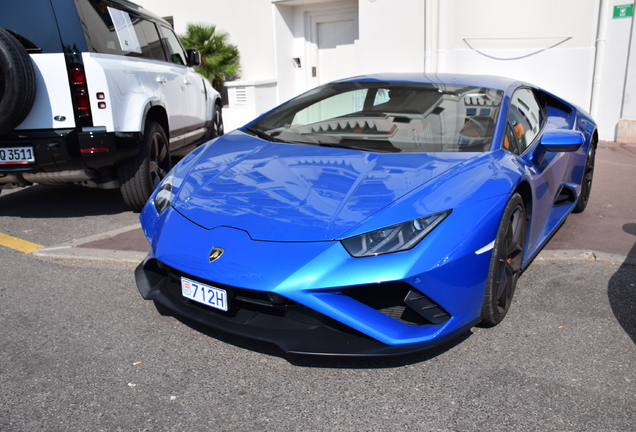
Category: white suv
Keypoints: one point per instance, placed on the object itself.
(98, 93)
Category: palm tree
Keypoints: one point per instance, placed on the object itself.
(219, 59)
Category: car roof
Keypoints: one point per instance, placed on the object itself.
(488, 81)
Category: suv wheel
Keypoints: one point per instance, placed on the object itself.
(17, 82)
(139, 176)
(215, 127)
(217, 122)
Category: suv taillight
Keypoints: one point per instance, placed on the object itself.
(77, 77)
(81, 102)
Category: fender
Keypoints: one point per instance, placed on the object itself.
(155, 110)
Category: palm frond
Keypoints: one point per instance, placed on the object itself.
(219, 58)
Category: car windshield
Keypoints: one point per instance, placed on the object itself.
(387, 117)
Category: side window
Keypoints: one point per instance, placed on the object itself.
(397, 100)
(336, 106)
(381, 96)
(114, 31)
(175, 50)
(525, 119)
(99, 28)
(510, 140)
(123, 23)
(151, 48)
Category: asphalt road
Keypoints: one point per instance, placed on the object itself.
(52, 215)
(608, 224)
(81, 351)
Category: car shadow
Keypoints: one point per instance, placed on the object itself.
(40, 201)
(317, 361)
(621, 289)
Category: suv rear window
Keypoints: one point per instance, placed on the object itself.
(33, 22)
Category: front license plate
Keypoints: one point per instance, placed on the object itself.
(16, 155)
(206, 294)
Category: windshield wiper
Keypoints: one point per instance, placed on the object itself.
(264, 135)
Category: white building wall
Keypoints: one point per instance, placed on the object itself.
(550, 43)
(293, 40)
(391, 36)
(611, 73)
(289, 46)
(627, 124)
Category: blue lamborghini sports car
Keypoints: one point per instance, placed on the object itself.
(375, 215)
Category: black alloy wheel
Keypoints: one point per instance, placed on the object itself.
(506, 262)
(159, 159)
(217, 122)
(586, 183)
(214, 127)
(139, 176)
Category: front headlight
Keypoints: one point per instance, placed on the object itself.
(163, 198)
(396, 238)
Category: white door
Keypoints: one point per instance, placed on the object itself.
(333, 37)
(172, 81)
(196, 102)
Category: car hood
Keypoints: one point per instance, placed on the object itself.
(290, 192)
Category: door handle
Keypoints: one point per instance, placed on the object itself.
(161, 80)
(186, 82)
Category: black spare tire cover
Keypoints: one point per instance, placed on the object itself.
(17, 82)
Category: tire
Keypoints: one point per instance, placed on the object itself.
(17, 82)
(139, 176)
(586, 183)
(505, 264)
(214, 126)
(217, 123)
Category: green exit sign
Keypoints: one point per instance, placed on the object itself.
(623, 11)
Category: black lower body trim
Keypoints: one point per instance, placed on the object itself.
(291, 326)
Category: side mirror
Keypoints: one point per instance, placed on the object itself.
(194, 57)
(562, 140)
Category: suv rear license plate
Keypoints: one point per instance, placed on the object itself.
(205, 294)
(16, 155)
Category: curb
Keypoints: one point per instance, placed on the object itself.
(92, 254)
(562, 255)
(69, 249)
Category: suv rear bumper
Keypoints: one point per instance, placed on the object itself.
(90, 148)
